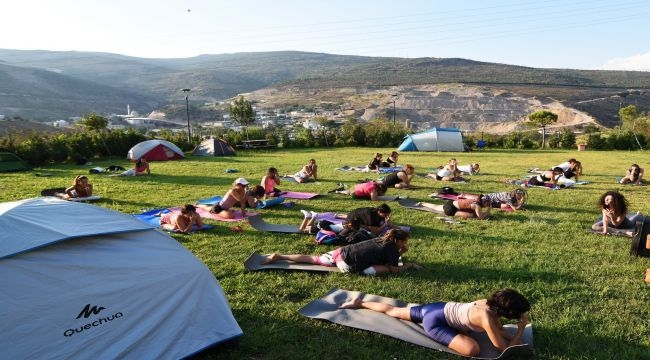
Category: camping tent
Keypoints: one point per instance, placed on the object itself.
(213, 147)
(436, 139)
(155, 150)
(82, 281)
(11, 162)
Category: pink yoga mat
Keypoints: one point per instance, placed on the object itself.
(298, 195)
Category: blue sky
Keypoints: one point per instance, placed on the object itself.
(580, 34)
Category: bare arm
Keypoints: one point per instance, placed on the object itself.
(494, 330)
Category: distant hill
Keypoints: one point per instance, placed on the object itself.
(46, 85)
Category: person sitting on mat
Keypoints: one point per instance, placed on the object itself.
(140, 168)
(391, 160)
(269, 181)
(369, 190)
(238, 194)
(370, 257)
(634, 175)
(448, 323)
(464, 208)
(375, 163)
(181, 221)
(549, 175)
(81, 187)
(307, 172)
(400, 179)
(613, 206)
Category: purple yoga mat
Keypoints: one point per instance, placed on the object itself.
(298, 195)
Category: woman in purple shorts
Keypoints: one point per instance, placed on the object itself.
(369, 257)
(448, 322)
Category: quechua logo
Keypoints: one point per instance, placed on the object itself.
(88, 311)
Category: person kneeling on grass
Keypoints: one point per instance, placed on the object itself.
(370, 257)
(613, 206)
(181, 221)
(448, 323)
(400, 179)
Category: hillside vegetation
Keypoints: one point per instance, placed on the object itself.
(47, 85)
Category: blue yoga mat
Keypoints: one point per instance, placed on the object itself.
(270, 202)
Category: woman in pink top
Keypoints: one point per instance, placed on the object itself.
(269, 181)
(369, 190)
(449, 322)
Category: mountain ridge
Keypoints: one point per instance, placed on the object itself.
(47, 85)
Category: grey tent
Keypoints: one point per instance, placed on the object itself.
(213, 147)
(81, 281)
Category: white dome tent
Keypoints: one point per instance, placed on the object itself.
(81, 281)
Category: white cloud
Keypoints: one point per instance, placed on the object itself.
(640, 62)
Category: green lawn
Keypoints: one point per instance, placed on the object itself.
(588, 294)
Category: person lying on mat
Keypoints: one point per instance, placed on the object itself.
(549, 175)
(369, 190)
(448, 323)
(81, 187)
(613, 206)
(471, 169)
(570, 168)
(448, 172)
(307, 172)
(140, 168)
(269, 181)
(400, 179)
(478, 207)
(181, 221)
(370, 257)
(634, 175)
(376, 220)
(329, 233)
(391, 160)
(375, 163)
(238, 194)
(514, 199)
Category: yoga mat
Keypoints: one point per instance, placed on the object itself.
(60, 193)
(258, 224)
(254, 263)
(326, 308)
(210, 201)
(412, 204)
(263, 204)
(298, 195)
(387, 198)
(150, 218)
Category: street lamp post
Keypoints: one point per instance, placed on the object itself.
(394, 98)
(187, 111)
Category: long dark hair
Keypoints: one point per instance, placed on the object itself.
(618, 204)
(395, 235)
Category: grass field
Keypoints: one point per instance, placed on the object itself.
(588, 294)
